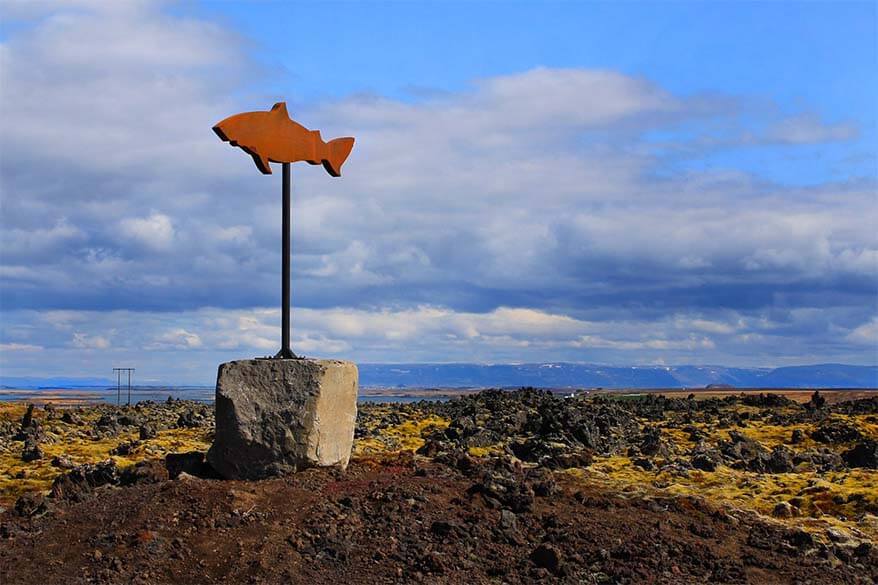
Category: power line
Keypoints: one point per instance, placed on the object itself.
(119, 384)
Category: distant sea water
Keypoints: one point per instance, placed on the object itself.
(95, 395)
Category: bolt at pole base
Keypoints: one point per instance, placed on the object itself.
(285, 354)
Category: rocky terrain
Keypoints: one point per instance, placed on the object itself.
(495, 487)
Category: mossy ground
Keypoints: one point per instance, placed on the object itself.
(824, 499)
(831, 498)
(72, 442)
(821, 498)
(407, 435)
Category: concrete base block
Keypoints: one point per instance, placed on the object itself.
(277, 416)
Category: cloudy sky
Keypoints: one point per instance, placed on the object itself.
(618, 183)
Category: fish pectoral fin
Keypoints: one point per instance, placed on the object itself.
(261, 163)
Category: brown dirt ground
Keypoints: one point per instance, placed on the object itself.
(399, 520)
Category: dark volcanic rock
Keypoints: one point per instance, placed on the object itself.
(694, 433)
(502, 484)
(703, 462)
(822, 459)
(704, 458)
(547, 557)
(63, 462)
(508, 520)
(551, 455)
(643, 463)
(456, 518)
(190, 420)
(836, 432)
(767, 400)
(80, 481)
(864, 454)
(542, 481)
(29, 505)
(193, 463)
(780, 460)
(128, 419)
(540, 424)
(744, 453)
(108, 425)
(144, 472)
(817, 402)
(30, 428)
(31, 451)
(651, 442)
(125, 448)
(860, 406)
(783, 510)
(71, 418)
(27, 419)
(147, 432)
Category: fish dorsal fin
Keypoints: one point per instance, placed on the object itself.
(280, 108)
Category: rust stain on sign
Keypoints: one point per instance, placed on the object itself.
(273, 137)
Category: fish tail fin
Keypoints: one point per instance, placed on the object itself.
(339, 149)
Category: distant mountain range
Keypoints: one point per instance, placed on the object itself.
(566, 375)
(562, 375)
(55, 382)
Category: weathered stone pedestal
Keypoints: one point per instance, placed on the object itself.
(275, 416)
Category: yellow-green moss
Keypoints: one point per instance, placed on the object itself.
(406, 436)
(485, 451)
(823, 496)
(69, 441)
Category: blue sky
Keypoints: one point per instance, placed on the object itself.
(795, 57)
(624, 183)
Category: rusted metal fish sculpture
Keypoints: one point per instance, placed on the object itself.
(273, 137)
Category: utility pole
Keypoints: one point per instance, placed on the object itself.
(119, 384)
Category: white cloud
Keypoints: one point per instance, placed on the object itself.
(111, 71)
(514, 191)
(82, 341)
(562, 99)
(155, 231)
(62, 320)
(425, 334)
(708, 326)
(247, 331)
(592, 341)
(525, 216)
(40, 239)
(175, 339)
(236, 234)
(20, 347)
(867, 333)
(809, 129)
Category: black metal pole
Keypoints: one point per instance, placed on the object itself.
(285, 336)
(285, 351)
(129, 387)
(118, 387)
